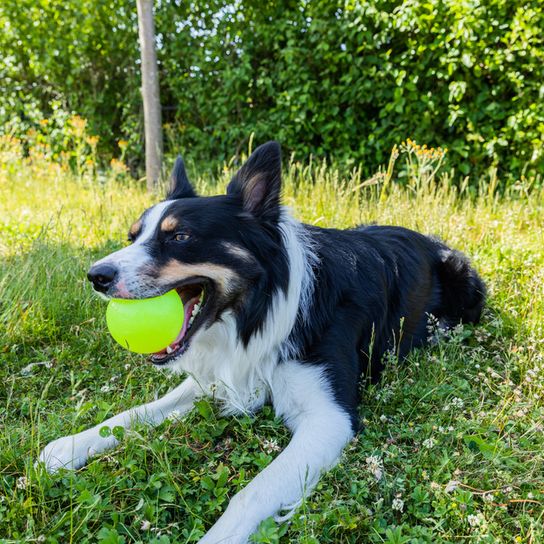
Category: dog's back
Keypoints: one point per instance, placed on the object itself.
(383, 283)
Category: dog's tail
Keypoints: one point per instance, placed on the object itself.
(463, 291)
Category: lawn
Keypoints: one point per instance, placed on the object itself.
(453, 443)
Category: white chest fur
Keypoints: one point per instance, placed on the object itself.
(239, 376)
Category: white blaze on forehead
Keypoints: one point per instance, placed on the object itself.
(151, 221)
(130, 259)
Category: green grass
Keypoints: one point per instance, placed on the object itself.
(456, 435)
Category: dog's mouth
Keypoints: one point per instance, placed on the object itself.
(196, 295)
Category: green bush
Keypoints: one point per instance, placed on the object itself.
(59, 57)
(345, 80)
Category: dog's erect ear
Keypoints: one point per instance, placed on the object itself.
(258, 182)
(180, 186)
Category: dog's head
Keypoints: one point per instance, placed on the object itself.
(220, 253)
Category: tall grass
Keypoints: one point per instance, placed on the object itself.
(452, 449)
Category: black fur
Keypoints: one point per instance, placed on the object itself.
(258, 183)
(375, 287)
(370, 281)
(246, 217)
(180, 186)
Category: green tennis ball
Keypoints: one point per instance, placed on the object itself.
(145, 325)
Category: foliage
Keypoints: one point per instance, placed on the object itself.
(344, 80)
(61, 57)
(348, 80)
(453, 442)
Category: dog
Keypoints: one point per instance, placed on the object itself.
(278, 312)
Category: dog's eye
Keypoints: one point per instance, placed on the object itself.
(181, 236)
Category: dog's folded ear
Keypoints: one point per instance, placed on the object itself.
(180, 186)
(258, 182)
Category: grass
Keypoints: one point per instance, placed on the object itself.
(453, 444)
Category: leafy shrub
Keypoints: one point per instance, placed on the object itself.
(341, 79)
(62, 57)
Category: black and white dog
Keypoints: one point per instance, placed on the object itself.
(276, 311)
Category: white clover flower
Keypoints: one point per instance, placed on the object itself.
(374, 464)
(146, 525)
(21, 482)
(457, 330)
(105, 388)
(383, 418)
(452, 485)
(271, 446)
(429, 443)
(398, 505)
(457, 402)
(477, 520)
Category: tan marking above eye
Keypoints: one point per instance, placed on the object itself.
(169, 224)
(174, 272)
(135, 228)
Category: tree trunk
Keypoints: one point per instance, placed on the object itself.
(150, 93)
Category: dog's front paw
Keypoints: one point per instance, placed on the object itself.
(70, 452)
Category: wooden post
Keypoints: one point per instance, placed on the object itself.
(150, 93)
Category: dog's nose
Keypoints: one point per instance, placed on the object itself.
(102, 276)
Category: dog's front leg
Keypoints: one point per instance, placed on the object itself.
(321, 428)
(73, 451)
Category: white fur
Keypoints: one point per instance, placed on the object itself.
(303, 261)
(320, 428)
(242, 379)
